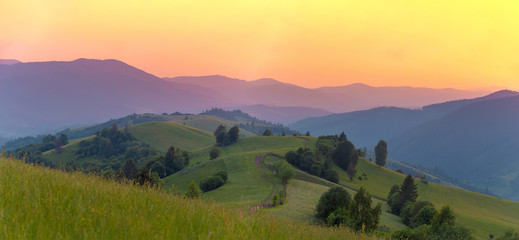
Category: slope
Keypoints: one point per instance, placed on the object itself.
(77, 206)
(367, 127)
(476, 143)
(246, 186)
(481, 213)
(51, 95)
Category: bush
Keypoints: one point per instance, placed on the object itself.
(213, 182)
(192, 191)
(215, 152)
(331, 176)
(286, 172)
(333, 199)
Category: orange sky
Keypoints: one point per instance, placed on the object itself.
(460, 44)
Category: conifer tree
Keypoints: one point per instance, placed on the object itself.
(408, 190)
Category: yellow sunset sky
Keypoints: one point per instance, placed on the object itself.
(439, 44)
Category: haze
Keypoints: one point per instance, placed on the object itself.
(439, 44)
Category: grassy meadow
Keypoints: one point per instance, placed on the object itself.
(249, 184)
(483, 214)
(40, 203)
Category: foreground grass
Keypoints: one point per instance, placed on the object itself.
(39, 203)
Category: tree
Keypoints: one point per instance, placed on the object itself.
(363, 216)
(192, 191)
(393, 195)
(144, 177)
(286, 172)
(220, 134)
(174, 161)
(215, 152)
(330, 175)
(267, 132)
(445, 216)
(64, 139)
(234, 134)
(509, 235)
(293, 158)
(331, 200)
(381, 153)
(425, 216)
(342, 137)
(344, 154)
(275, 199)
(408, 191)
(307, 133)
(57, 148)
(129, 169)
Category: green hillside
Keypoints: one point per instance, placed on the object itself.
(250, 184)
(40, 203)
(162, 135)
(482, 213)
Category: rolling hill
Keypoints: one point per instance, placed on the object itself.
(250, 184)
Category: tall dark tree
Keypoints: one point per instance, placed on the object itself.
(342, 137)
(64, 139)
(234, 134)
(173, 161)
(307, 133)
(344, 154)
(220, 134)
(129, 169)
(408, 191)
(381, 153)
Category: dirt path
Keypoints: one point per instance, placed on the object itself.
(260, 164)
(307, 141)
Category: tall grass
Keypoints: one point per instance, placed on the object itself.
(40, 203)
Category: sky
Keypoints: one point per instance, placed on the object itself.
(440, 44)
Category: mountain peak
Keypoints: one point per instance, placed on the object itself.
(501, 94)
(265, 81)
(8, 61)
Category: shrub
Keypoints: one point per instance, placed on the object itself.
(333, 199)
(215, 152)
(213, 182)
(331, 176)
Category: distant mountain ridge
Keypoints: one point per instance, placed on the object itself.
(474, 140)
(43, 97)
(366, 127)
(8, 61)
(332, 99)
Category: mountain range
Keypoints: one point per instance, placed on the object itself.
(41, 97)
(474, 140)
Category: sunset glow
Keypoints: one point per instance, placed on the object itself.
(459, 44)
